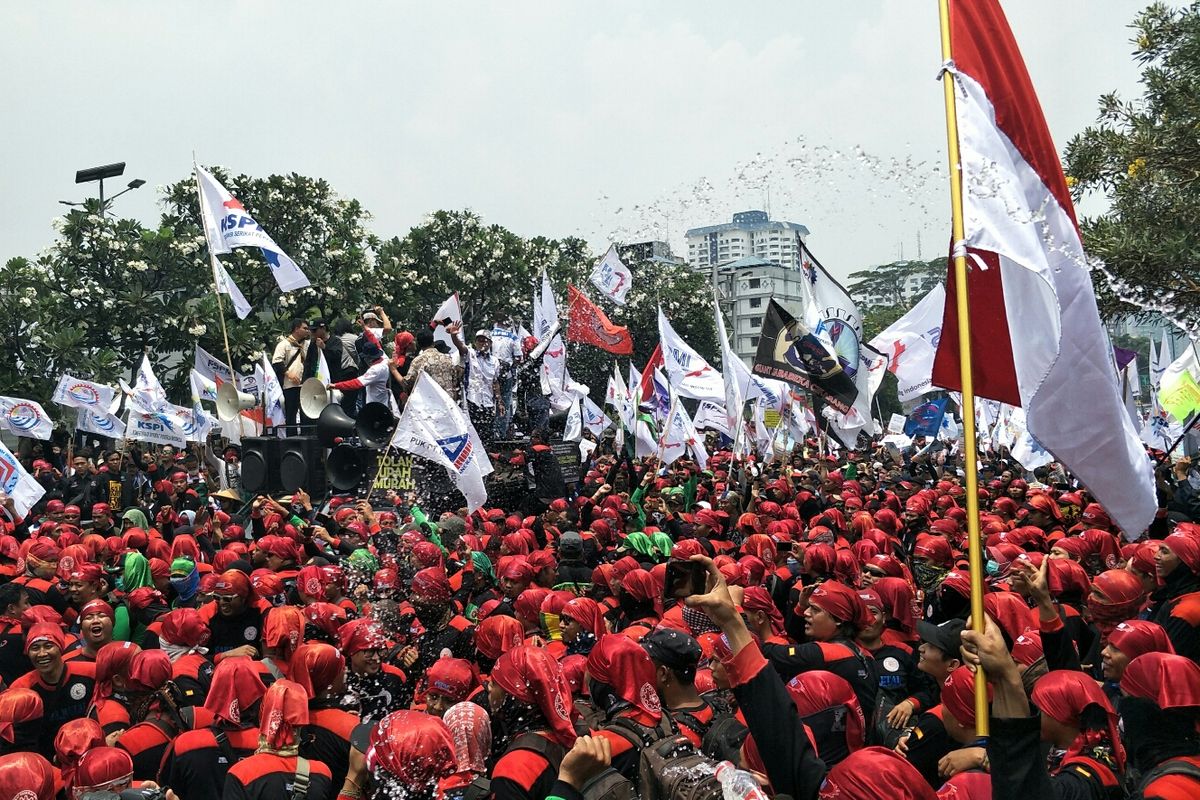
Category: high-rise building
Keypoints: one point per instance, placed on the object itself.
(649, 251)
(750, 261)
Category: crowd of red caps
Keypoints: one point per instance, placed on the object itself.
(805, 621)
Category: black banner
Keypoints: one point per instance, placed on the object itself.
(789, 351)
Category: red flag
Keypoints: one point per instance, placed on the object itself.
(590, 325)
(647, 385)
(1036, 338)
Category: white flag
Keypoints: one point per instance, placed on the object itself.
(273, 411)
(554, 359)
(433, 427)
(594, 418)
(158, 422)
(227, 225)
(711, 416)
(226, 286)
(612, 277)
(25, 418)
(1027, 450)
(733, 379)
(77, 393)
(447, 313)
(573, 431)
(910, 343)
(202, 388)
(99, 421)
(147, 383)
(17, 483)
(211, 367)
(196, 423)
(690, 374)
(679, 436)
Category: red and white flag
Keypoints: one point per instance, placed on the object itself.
(1036, 337)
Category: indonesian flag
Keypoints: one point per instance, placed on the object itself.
(1036, 336)
(590, 325)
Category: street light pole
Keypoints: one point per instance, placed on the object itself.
(98, 174)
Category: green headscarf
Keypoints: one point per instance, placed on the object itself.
(639, 543)
(663, 544)
(136, 573)
(483, 564)
(364, 561)
(137, 517)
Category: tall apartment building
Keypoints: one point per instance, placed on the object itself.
(751, 233)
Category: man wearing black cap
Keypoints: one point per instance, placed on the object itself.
(675, 656)
(374, 380)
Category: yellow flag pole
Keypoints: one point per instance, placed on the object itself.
(975, 554)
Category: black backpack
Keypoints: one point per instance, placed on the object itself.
(670, 767)
(1172, 766)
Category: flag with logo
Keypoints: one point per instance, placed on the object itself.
(594, 418)
(788, 350)
(227, 225)
(75, 392)
(18, 484)
(147, 384)
(155, 421)
(612, 277)
(448, 313)
(690, 374)
(590, 325)
(99, 422)
(22, 417)
(433, 427)
(554, 359)
(679, 436)
(226, 286)
(211, 367)
(1177, 391)
(1036, 336)
(711, 416)
(926, 419)
(910, 343)
(735, 375)
(272, 393)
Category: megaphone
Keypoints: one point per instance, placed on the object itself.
(231, 402)
(345, 467)
(313, 397)
(375, 424)
(333, 423)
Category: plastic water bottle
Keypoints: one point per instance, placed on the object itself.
(738, 785)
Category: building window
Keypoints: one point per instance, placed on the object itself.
(754, 282)
(755, 302)
(756, 322)
(754, 341)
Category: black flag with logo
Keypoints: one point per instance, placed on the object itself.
(789, 351)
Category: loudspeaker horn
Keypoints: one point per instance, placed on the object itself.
(345, 468)
(231, 402)
(334, 423)
(375, 425)
(313, 397)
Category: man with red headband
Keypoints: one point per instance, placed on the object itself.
(235, 618)
(65, 687)
(444, 630)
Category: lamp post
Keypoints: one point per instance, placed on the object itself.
(98, 174)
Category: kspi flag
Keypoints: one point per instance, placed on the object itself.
(433, 427)
(18, 484)
(590, 325)
(612, 277)
(910, 344)
(1036, 336)
(227, 225)
(25, 418)
(594, 418)
(212, 367)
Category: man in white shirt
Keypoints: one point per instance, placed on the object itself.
(483, 396)
(507, 353)
(288, 362)
(374, 380)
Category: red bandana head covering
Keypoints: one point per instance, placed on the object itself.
(958, 696)
(817, 690)
(518, 569)
(873, 773)
(842, 603)
(639, 585)
(890, 565)
(432, 586)
(426, 554)
(756, 598)
(316, 667)
(471, 729)
(113, 659)
(149, 670)
(1027, 648)
(588, 613)
(183, 627)
(819, 559)
(897, 598)
(283, 629)
(1063, 695)
(415, 748)
(326, 617)
(1137, 636)
(284, 708)
(452, 677)
(621, 663)
(1170, 680)
(528, 607)
(233, 581)
(74, 739)
(1123, 598)
(1186, 548)
(1009, 611)
(935, 549)
(102, 768)
(310, 582)
(26, 776)
(361, 634)
(532, 676)
(497, 634)
(97, 606)
(17, 706)
(235, 687)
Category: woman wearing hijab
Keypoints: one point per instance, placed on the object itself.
(374, 688)
(622, 684)
(1160, 712)
(471, 729)
(200, 758)
(276, 765)
(530, 704)
(321, 670)
(1085, 749)
(1176, 604)
(582, 625)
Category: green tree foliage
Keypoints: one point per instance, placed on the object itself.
(1143, 156)
(898, 284)
(107, 288)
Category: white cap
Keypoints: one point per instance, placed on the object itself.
(484, 333)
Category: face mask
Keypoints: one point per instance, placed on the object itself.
(926, 574)
(993, 568)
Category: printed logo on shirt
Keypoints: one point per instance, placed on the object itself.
(78, 691)
(891, 664)
(250, 634)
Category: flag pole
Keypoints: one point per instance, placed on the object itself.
(971, 466)
(216, 265)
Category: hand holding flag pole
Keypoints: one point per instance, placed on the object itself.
(971, 465)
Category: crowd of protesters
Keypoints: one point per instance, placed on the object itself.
(795, 626)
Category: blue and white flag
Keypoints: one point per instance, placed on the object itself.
(18, 484)
(227, 225)
(926, 419)
(99, 422)
(22, 417)
(75, 392)
(612, 277)
(433, 427)
(594, 418)
(273, 412)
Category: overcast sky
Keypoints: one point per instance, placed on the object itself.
(619, 119)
